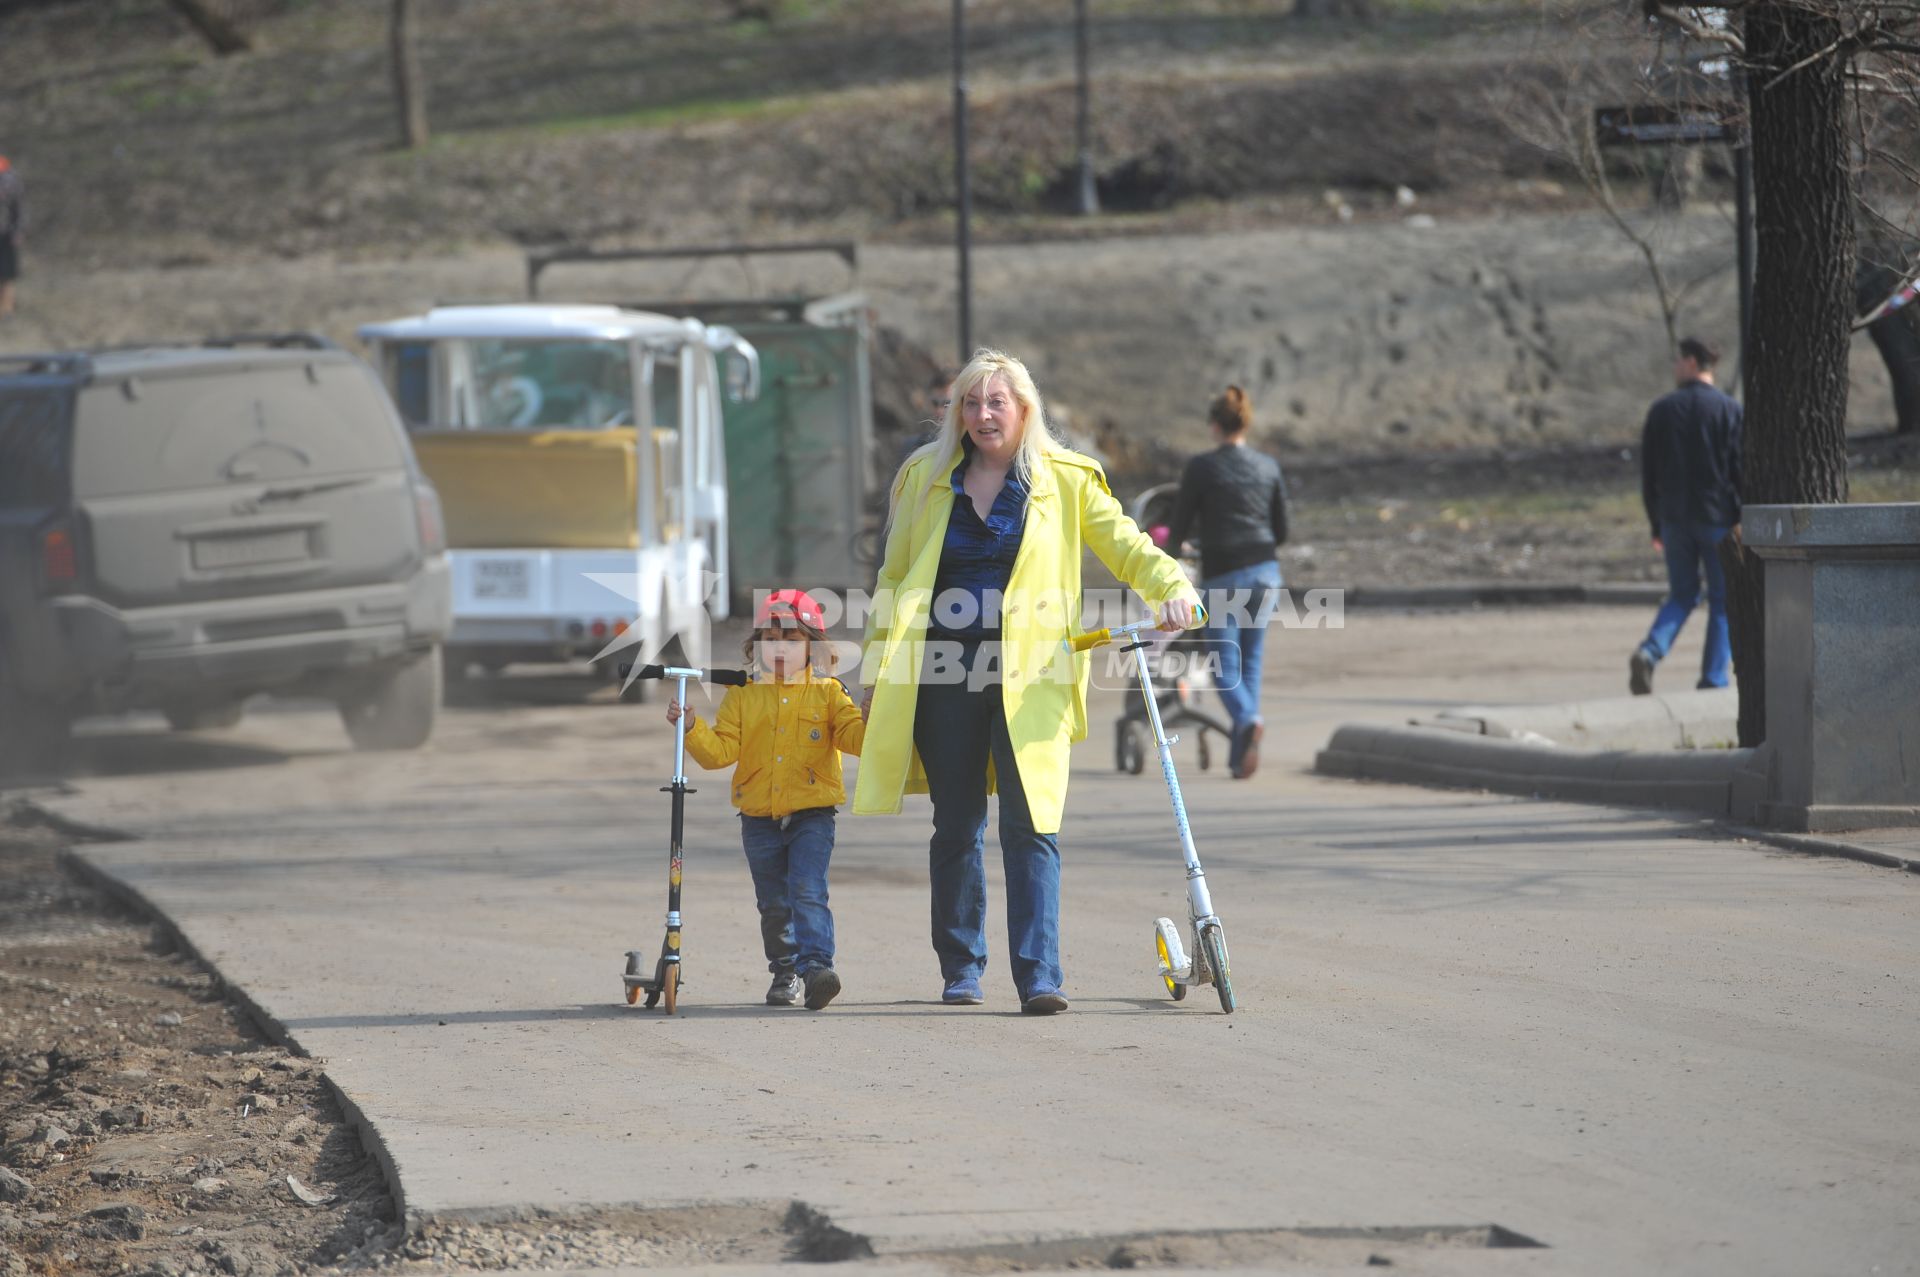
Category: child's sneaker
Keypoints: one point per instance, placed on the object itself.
(784, 991)
(822, 987)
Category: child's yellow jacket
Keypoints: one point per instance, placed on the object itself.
(783, 741)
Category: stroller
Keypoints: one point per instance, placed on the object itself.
(1178, 664)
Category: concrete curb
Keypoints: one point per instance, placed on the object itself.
(1693, 719)
(1696, 781)
(1814, 845)
(1705, 781)
(136, 901)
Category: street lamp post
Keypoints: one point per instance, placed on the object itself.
(1083, 127)
(962, 180)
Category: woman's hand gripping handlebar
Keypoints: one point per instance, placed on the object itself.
(1099, 638)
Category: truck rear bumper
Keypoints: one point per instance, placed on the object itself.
(127, 658)
(544, 598)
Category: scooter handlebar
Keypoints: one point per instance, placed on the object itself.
(723, 678)
(1097, 638)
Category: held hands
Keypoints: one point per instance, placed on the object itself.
(866, 701)
(1177, 614)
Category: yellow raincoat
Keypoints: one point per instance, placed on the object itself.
(786, 737)
(1044, 689)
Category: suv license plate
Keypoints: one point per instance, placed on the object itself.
(500, 579)
(247, 550)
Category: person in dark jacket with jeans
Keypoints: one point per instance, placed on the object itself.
(1690, 481)
(1240, 500)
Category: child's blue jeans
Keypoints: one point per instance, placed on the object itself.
(788, 857)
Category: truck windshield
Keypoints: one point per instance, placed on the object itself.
(532, 385)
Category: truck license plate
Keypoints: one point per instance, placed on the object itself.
(247, 550)
(500, 579)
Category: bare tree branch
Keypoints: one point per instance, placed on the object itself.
(1692, 27)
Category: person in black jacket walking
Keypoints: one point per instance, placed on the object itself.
(1241, 501)
(1690, 481)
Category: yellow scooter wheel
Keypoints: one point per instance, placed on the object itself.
(1175, 990)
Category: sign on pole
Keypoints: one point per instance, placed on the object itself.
(1650, 124)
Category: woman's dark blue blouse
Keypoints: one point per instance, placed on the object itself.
(976, 560)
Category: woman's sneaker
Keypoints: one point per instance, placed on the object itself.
(784, 991)
(964, 992)
(823, 985)
(1044, 1002)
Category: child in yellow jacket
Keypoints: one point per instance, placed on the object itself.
(783, 734)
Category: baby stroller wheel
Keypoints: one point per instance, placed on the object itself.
(1206, 753)
(1130, 748)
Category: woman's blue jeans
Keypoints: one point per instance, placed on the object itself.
(788, 857)
(1693, 551)
(957, 727)
(1240, 606)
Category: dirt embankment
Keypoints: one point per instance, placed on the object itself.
(673, 124)
(145, 1127)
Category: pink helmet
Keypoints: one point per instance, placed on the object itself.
(796, 605)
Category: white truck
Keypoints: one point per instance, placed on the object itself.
(579, 456)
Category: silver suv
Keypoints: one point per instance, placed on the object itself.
(184, 527)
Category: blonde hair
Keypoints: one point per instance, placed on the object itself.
(1037, 439)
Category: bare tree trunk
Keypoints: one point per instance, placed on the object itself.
(409, 89)
(1896, 335)
(221, 34)
(1803, 301)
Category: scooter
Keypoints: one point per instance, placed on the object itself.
(663, 986)
(1208, 962)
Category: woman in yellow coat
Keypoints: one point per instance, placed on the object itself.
(971, 688)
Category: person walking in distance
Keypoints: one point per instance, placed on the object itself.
(1690, 481)
(1237, 497)
(13, 224)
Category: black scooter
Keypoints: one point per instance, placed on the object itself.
(663, 986)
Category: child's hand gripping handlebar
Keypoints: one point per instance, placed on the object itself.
(1099, 638)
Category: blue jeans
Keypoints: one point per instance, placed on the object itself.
(1237, 633)
(957, 728)
(788, 858)
(1691, 549)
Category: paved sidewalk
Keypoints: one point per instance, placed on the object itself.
(1649, 1048)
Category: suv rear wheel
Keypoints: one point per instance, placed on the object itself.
(34, 736)
(398, 711)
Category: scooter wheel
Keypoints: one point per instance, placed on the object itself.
(670, 987)
(633, 969)
(1175, 989)
(1213, 942)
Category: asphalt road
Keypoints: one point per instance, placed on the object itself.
(1644, 1047)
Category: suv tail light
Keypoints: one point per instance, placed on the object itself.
(59, 558)
(433, 528)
